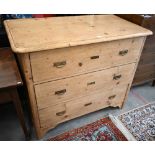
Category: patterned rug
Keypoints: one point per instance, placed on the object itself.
(140, 122)
(101, 130)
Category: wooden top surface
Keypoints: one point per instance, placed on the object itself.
(9, 74)
(29, 35)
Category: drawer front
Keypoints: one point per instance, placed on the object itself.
(54, 115)
(113, 98)
(52, 93)
(66, 62)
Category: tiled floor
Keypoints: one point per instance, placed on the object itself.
(10, 128)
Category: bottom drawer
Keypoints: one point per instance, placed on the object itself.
(54, 115)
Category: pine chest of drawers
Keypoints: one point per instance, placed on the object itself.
(75, 65)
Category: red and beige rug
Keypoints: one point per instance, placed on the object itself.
(101, 130)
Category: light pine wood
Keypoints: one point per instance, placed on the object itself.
(147, 59)
(66, 82)
(51, 93)
(83, 59)
(30, 35)
(24, 60)
(54, 115)
(134, 71)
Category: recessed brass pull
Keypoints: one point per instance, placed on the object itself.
(61, 113)
(90, 83)
(87, 104)
(123, 52)
(116, 77)
(111, 97)
(94, 57)
(59, 64)
(60, 92)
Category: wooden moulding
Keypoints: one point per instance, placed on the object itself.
(68, 31)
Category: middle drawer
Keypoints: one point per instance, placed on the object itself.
(55, 92)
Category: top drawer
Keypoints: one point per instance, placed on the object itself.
(65, 62)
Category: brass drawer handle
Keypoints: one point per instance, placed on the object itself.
(116, 77)
(59, 64)
(61, 113)
(60, 92)
(94, 57)
(90, 83)
(123, 52)
(87, 104)
(111, 97)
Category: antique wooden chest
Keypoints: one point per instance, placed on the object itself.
(75, 65)
(146, 68)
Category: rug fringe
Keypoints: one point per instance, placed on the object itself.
(122, 128)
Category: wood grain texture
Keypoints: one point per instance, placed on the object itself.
(54, 115)
(10, 79)
(26, 69)
(132, 75)
(147, 58)
(9, 74)
(82, 85)
(30, 35)
(66, 82)
(83, 59)
(146, 70)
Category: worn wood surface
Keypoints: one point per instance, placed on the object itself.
(29, 35)
(9, 74)
(82, 59)
(68, 82)
(24, 60)
(54, 115)
(133, 74)
(146, 68)
(63, 90)
(10, 79)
